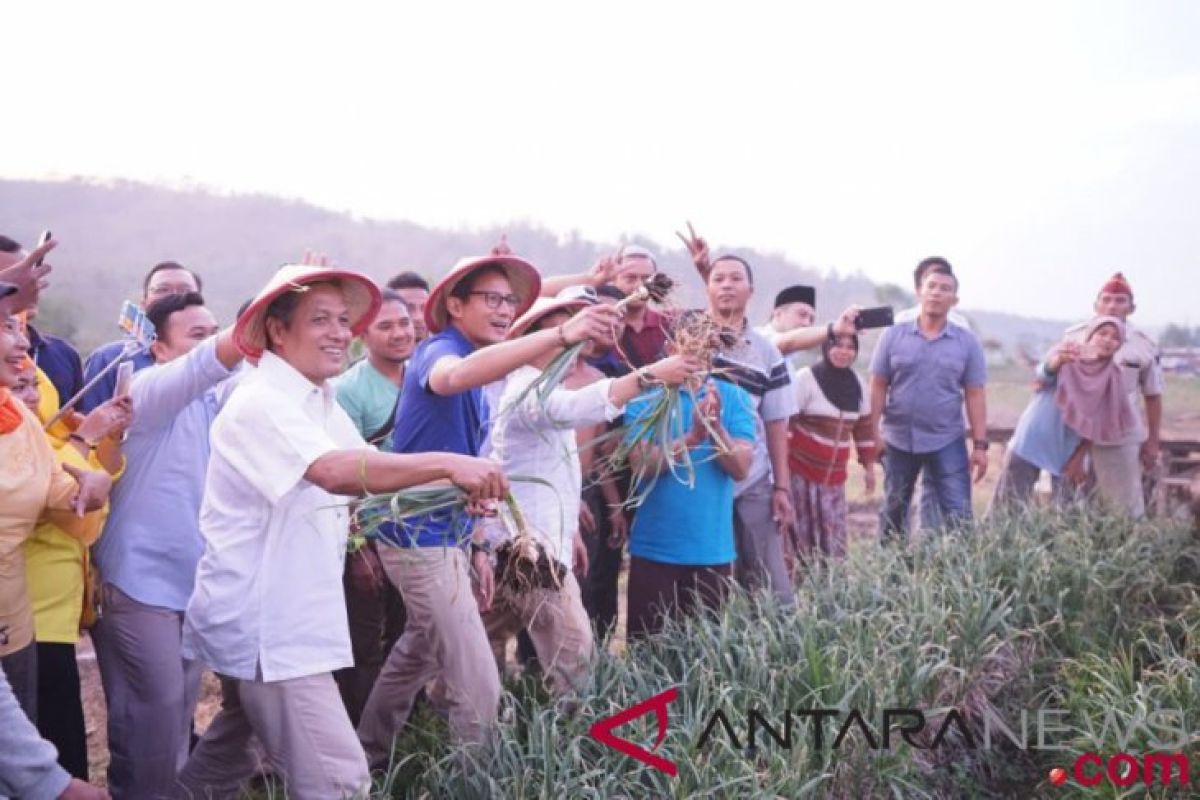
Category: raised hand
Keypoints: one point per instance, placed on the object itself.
(110, 418)
(313, 258)
(604, 270)
(845, 322)
(501, 247)
(697, 248)
(29, 277)
(593, 322)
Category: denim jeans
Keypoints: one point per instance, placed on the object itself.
(947, 478)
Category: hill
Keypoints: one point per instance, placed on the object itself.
(112, 232)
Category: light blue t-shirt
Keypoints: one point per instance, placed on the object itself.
(370, 400)
(683, 525)
(1041, 437)
(151, 541)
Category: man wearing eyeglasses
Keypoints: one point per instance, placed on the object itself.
(443, 409)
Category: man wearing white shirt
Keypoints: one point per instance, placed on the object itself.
(267, 613)
(535, 436)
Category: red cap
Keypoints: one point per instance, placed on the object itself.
(1117, 285)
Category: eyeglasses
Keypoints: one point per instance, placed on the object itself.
(493, 299)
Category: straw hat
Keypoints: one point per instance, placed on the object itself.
(524, 278)
(572, 299)
(361, 294)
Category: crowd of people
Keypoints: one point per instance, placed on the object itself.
(220, 508)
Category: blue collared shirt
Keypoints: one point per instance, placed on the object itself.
(58, 359)
(100, 358)
(926, 380)
(151, 542)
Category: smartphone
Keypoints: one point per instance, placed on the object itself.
(878, 317)
(124, 379)
(45, 237)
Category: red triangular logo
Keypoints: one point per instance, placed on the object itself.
(602, 731)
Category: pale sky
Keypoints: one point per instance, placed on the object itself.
(1039, 146)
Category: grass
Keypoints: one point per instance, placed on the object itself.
(1093, 615)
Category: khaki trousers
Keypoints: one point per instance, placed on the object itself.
(301, 725)
(1119, 477)
(557, 624)
(443, 638)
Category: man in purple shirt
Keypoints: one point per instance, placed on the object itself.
(921, 372)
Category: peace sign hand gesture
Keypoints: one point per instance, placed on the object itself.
(698, 249)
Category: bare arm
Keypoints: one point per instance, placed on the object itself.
(451, 375)
(1154, 407)
(777, 450)
(812, 337)
(356, 472)
(977, 412)
(879, 387)
(227, 352)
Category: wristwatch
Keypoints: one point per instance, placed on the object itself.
(645, 378)
(981, 444)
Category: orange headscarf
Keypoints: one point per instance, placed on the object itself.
(10, 414)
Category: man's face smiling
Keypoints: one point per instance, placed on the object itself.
(474, 315)
(316, 341)
(390, 336)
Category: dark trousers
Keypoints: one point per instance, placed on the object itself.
(604, 568)
(60, 709)
(376, 614)
(658, 591)
(948, 472)
(21, 670)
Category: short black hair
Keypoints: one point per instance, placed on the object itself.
(160, 311)
(390, 296)
(408, 280)
(467, 284)
(610, 291)
(936, 264)
(8, 245)
(165, 265)
(731, 257)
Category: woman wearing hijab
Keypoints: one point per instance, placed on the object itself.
(1081, 402)
(834, 414)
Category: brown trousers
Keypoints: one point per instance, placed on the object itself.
(658, 591)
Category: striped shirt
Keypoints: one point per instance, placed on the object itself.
(758, 367)
(820, 436)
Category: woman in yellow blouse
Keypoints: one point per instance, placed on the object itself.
(57, 565)
(31, 485)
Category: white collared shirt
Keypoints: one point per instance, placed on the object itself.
(268, 602)
(537, 438)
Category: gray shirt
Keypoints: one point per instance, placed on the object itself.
(757, 366)
(926, 379)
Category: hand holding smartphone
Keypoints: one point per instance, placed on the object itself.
(878, 317)
(124, 379)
